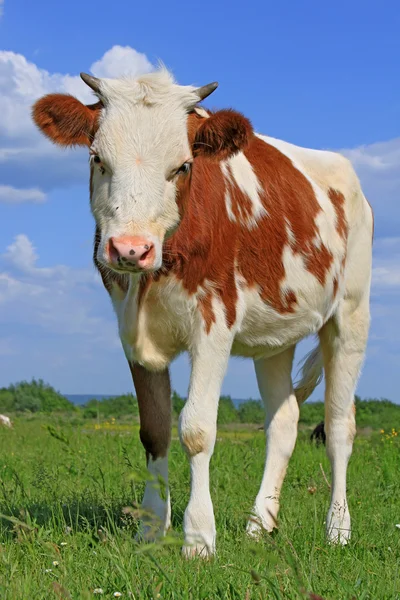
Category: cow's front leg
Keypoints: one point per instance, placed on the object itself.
(153, 392)
(197, 430)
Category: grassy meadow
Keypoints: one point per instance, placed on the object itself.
(70, 487)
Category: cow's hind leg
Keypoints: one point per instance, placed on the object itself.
(282, 414)
(343, 342)
(153, 392)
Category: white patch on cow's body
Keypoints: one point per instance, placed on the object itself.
(238, 170)
(228, 199)
(290, 234)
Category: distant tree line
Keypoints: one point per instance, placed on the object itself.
(39, 397)
(34, 396)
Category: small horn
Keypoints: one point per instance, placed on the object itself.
(206, 90)
(92, 82)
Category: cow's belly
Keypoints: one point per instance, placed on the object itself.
(264, 331)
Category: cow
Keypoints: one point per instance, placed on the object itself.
(215, 240)
(5, 421)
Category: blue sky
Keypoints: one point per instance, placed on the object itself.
(321, 75)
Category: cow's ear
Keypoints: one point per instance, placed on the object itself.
(224, 133)
(65, 120)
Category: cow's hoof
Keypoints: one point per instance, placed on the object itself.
(338, 526)
(259, 524)
(199, 550)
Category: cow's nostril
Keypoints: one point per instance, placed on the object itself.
(149, 250)
(112, 250)
(131, 252)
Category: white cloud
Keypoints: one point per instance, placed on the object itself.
(59, 299)
(120, 61)
(21, 253)
(378, 167)
(381, 156)
(386, 265)
(27, 159)
(388, 276)
(12, 195)
(21, 257)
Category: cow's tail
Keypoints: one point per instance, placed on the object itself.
(312, 372)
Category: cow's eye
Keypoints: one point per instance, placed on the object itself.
(97, 160)
(185, 168)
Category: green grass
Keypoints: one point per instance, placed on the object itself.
(63, 490)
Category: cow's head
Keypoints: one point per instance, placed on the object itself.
(137, 135)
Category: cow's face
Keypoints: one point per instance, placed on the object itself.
(139, 154)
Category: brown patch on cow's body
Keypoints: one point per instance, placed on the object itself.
(319, 262)
(338, 202)
(335, 286)
(205, 305)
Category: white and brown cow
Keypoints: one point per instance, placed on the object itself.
(215, 240)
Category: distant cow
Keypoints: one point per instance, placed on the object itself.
(318, 434)
(215, 240)
(5, 421)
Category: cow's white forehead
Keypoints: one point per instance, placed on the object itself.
(152, 89)
(144, 116)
